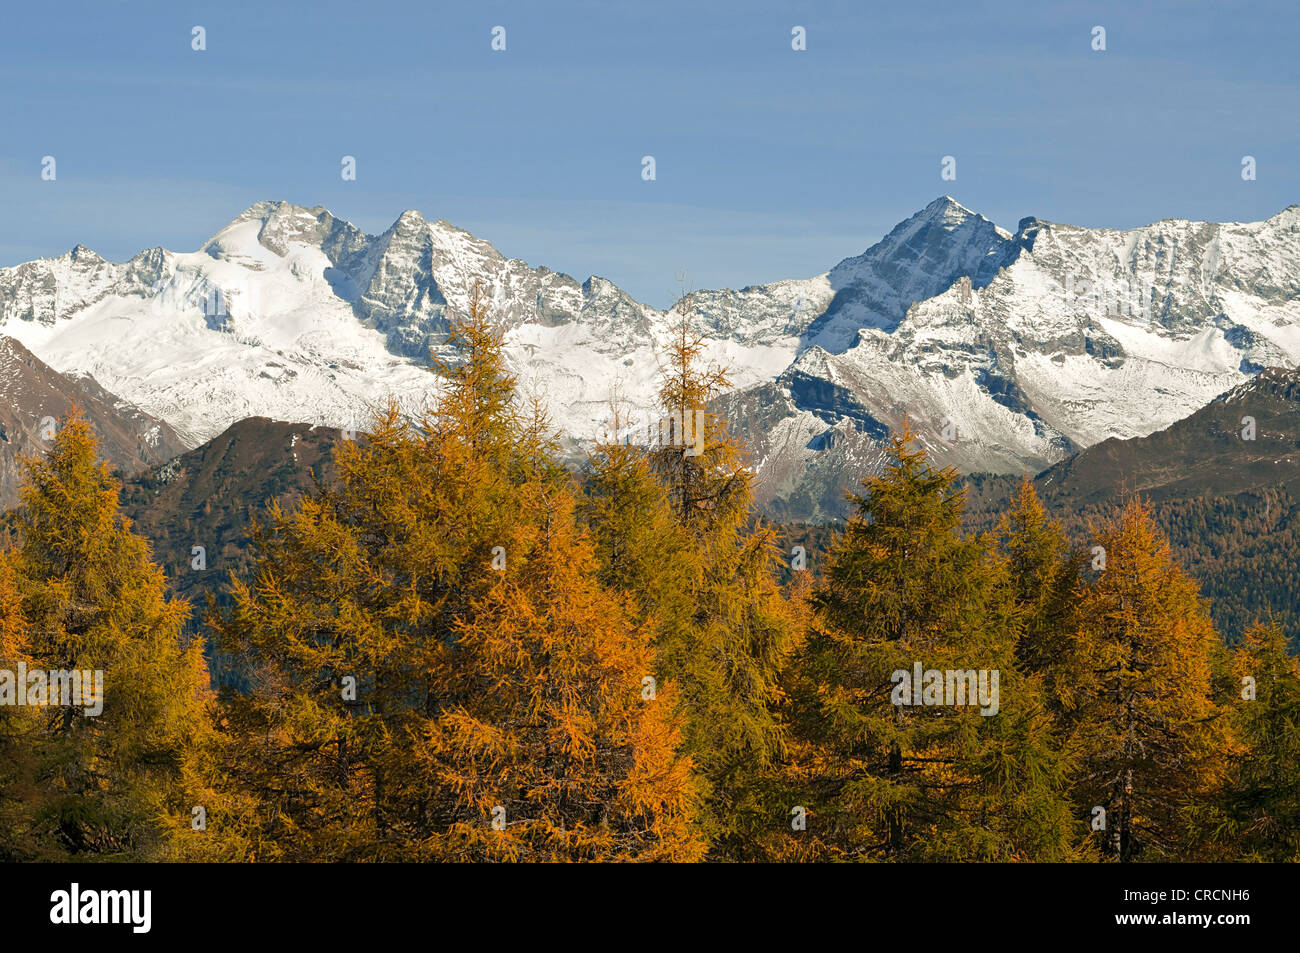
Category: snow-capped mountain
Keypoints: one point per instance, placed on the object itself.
(1005, 351)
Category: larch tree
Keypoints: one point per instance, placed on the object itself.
(728, 658)
(562, 744)
(1148, 738)
(111, 784)
(18, 727)
(347, 627)
(327, 631)
(363, 630)
(642, 549)
(1044, 570)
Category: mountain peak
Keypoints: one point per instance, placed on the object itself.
(411, 216)
(280, 210)
(947, 213)
(262, 212)
(259, 211)
(282, 223)
(946, 205)
(940, 219)
(410, 221)
(81, 253)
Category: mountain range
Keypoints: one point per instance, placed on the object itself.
(1007, 351)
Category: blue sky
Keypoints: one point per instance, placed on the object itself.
(770, 163)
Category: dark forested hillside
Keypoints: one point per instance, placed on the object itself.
(1244, 548)
(1224, 484)
(208, 497)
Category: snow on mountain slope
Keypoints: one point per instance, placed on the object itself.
(292, 314)
(1005, 351)
(232, 331)
(919, 259)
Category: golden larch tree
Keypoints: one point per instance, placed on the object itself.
(1149, 739)
(112, 784)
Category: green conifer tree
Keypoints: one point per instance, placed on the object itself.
(888, 778)
(1258, 816)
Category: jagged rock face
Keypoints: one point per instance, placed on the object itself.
(1077, 336)
(1004, 351)
(34, 397)
(46, 290)
(919, 259)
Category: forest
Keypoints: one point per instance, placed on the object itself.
(458, 649)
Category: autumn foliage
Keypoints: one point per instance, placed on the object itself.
(459, 648)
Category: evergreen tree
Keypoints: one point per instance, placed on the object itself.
(1258, 818)
(890, 779)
